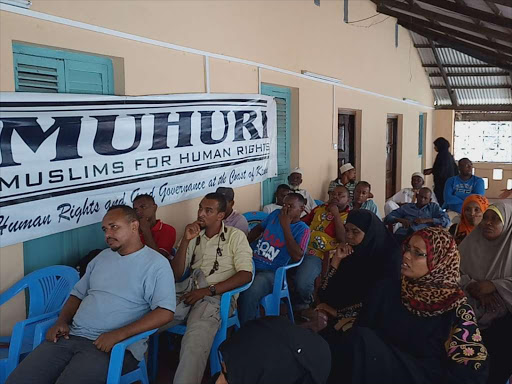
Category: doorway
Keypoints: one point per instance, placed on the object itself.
(391, 155)
(346, 139)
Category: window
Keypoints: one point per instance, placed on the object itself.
(53, 71)
(485, 141)
(46, 70)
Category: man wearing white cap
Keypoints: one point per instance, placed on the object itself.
(407, 195)
(294, 181)
(347, 179)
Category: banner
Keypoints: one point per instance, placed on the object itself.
(65, 159)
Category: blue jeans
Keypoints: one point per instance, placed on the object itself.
(305, 277)
(249, 300)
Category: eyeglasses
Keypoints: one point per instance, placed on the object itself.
(408, 248)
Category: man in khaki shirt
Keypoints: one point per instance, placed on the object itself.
(224, 257)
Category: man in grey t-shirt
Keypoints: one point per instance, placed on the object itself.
(127, 289)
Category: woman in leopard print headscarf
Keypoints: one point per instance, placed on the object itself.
(418, 329)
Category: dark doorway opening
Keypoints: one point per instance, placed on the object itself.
(391, 155)
(346, 140)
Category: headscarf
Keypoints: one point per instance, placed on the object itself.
(438, 291)
(377, 257)
(444, 165)
(464, 228)
(272, 350)
(483, 259)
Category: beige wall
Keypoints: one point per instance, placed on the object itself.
(291, 35)
(443, 125)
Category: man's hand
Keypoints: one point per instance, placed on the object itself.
(194, 296)
(428, 171)
(405, 223)
(59, 330)
(490, 302)
(284, 218)
(333, 209)
(192, 231)
(419, 220)
(478, 289)
(106, 341)
(505, 193)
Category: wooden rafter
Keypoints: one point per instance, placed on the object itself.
(472, 87)
(470, 74)
(451, 92)
(472, 107)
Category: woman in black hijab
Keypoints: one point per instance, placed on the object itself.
(444, 167)
(371, 254)
(272, 350)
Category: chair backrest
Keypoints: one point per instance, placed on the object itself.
(48, 289)
(319, 202)
(254, 218)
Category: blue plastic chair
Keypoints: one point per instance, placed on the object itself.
(272, 302)
(115, 366)
(319, 202)
(254, 218)
(48, 289)
(226, 322)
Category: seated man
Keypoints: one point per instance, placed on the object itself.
(233, 218)
(294, 181)
(407, 195)
(127, 289)
(221, 260)
(362, 198)
(153, 233)
(281, 192)
(347, 179)
(326, 223)
(284, 237)
(415, 216)
(457, 188)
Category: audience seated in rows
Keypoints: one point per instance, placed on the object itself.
(419, 329)
(294, 181)
(232, 217)
(406, 195)
(369, 255)
(457, 188)
(281, 237)
(472, 213)
(362, 198)
(127, 289)
(486, 268)
(415, 216)
(281, 192)
(272, 350)
(153, 233)
(326, 223)
(220, 259)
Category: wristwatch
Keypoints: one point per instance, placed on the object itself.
(212, 290)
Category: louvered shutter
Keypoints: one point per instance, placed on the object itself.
(38, 74)
(87, 77)
(282, 97)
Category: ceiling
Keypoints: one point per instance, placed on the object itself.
(465, 47)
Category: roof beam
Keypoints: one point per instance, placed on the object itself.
(489, 108)
(501, 2)
(449, 31)
(472, 87)
(460, 66)
(470, 12)
(479, 53)
(443, 17)
(469, 74)
(451, 93)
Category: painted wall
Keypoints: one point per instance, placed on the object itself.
(291, 35)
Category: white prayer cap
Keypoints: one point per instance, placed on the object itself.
(419, 174)
(296, 170)
(345, 168)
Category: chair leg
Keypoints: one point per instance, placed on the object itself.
(290, 309)
(144, 373)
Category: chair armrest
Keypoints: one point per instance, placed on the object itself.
(281, 274)
(43, 327)
(115, 366)
(13, 291)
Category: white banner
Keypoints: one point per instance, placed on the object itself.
(65, 159)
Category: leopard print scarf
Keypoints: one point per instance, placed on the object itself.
(438, 291)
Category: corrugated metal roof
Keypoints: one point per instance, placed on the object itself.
(461, 63)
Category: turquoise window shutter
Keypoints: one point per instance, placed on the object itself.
(420, 135)
(47, 70)
(282, 97)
